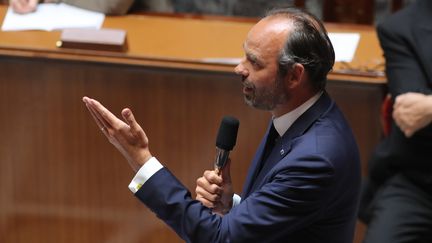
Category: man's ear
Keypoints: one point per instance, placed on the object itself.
(295, 76)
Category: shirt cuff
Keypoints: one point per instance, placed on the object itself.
(144, 173)
(236, 200)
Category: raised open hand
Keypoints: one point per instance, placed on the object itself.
(127, 136)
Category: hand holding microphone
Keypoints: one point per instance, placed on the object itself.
(214, 189)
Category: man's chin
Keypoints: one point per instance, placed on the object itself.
(250, 102)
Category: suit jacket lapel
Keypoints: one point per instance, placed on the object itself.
(283, 147)
(255, 164)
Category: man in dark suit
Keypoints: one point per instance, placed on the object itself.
(397, 197)
(303, 184)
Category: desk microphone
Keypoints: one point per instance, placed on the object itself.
(225, 141)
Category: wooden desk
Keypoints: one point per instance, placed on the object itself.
(60, 180)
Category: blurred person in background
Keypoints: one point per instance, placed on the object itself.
(397, 194)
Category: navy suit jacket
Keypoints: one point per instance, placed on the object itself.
(306, 192)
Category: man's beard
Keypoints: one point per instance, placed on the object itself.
(266, 98)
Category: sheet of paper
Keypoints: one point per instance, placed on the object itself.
(223, 60)
(51, 16)
(345, 45)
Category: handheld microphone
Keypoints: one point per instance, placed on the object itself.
(225, 141)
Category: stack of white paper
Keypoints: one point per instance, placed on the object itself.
(50, 16)
(345, 45)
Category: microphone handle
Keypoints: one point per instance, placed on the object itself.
(221, 158)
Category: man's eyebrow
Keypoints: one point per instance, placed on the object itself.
(252, 57)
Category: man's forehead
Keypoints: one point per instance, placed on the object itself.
(277, 24)
(270, 28)
(274, 23)
(268, 33)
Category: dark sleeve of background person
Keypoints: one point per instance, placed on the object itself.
(185, 6)
(258, 8)
(407, 70)
(110, 7)
(407, 50)
(404, 67)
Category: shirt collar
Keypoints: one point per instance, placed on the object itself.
(284, 122)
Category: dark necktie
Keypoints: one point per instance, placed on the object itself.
(272, 139)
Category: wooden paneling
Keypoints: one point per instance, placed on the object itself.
(360, 103)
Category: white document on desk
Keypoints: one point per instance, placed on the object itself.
(222, 60)
(51, 16)
(345, 45)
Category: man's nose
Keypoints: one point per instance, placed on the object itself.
(241, 70)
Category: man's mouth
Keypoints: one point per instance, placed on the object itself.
(247, 90)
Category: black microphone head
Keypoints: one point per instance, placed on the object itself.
(227, 134)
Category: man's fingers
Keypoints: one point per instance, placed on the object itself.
(94, 110)
(98, 121)
(205, 202)
(130, 120)
(207, 195)
(32, 4)
(396, 103)
(17, 7)
(23, 6)
(106, 117)
(208, 185)
(395, 114)
(212, 177)
(101, 126)
(133, 124)
(129, 117)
